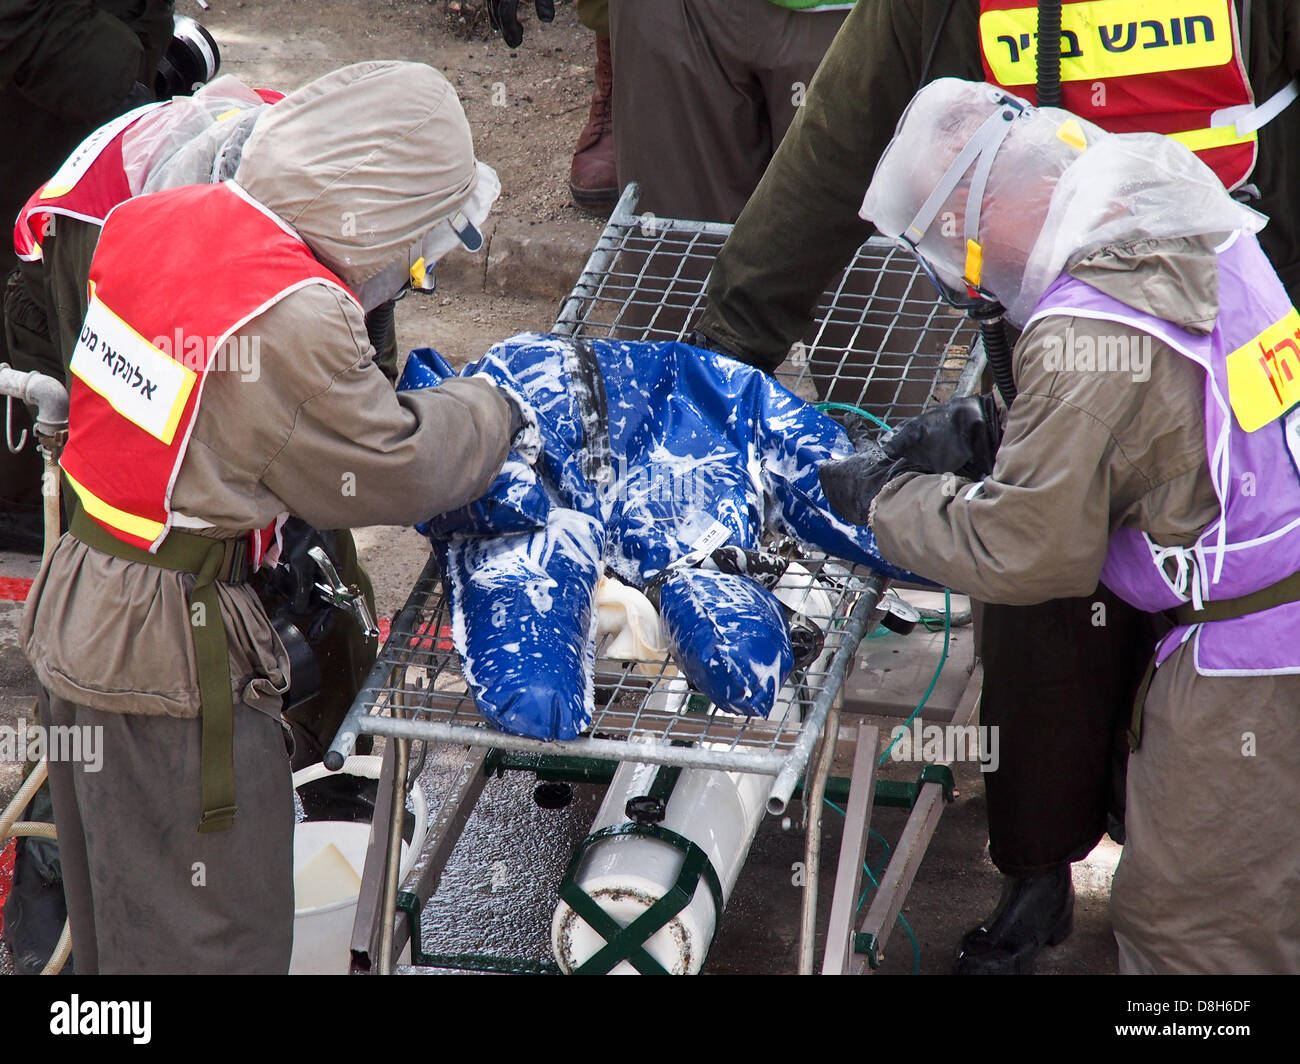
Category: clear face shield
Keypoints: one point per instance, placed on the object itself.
(979, 152)
(980, 303)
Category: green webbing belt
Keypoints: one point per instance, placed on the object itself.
(628, 943)
(187, 553)
(1285, 590)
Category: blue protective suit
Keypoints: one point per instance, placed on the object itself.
(651, 453)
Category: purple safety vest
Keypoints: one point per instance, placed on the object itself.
(1255, 541)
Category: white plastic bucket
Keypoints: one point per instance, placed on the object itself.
(322, 933)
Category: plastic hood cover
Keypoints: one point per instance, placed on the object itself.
(1060, 188)
(194, 140)
(651, 452)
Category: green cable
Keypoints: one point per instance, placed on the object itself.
(916, 946)
(866, 867)
(824, 407)
(943, 659)
(906, 926)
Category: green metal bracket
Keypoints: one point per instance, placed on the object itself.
(942, 775)
(560, 768)
(897, 794)
(628, 943)
(465, 962)
(902, 794)
(837, 789)
(865, 942)
(665, 780)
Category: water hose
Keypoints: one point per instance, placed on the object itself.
(51, 426)
(12, 827)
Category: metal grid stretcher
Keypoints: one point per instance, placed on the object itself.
(883, 343)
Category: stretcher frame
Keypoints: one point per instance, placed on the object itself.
(882, 340)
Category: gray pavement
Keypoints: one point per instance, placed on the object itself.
(478, 909)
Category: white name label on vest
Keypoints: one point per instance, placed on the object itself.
(141, 383)
(66, 176)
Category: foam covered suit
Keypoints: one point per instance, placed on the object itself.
(650, 456)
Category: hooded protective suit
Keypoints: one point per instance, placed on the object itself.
(1096, 445)
(361, 165)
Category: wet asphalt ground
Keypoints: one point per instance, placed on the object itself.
(498, 892)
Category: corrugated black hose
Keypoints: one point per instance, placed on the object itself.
(997, 348)
(378, 322)
(1049, 53)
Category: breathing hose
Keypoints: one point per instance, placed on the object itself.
(378, 322)
(993, 328)
(1049, 53)
(997, 348)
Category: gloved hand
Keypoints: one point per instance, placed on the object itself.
(960, 436)
(502, 15)
(518, 420)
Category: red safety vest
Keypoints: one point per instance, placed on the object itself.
(89, 184)
(161, 309)
(1163, 66)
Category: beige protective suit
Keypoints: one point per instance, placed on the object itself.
(1209, 880)
(1210, 876)
(361, 164)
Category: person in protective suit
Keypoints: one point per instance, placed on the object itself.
(142, 621)
(191, 140)
(1059, 788)
(1148, 444)
(188, 140)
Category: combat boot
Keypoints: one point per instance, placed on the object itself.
(1033, 912)
(593, 183)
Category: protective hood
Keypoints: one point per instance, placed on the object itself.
(1056, 189)
(194, 140)
(363, 163)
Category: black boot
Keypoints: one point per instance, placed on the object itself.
(1034, 911)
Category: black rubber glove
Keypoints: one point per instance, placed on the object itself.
(960, 436)
(517, 420)
(697, 339)
(503, 16)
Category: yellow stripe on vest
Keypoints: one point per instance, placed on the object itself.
(132, 524)
(1214, 137)
(1264, 374)
(1110, 38)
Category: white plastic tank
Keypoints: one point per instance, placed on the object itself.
(329, 857)
(718, 811)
